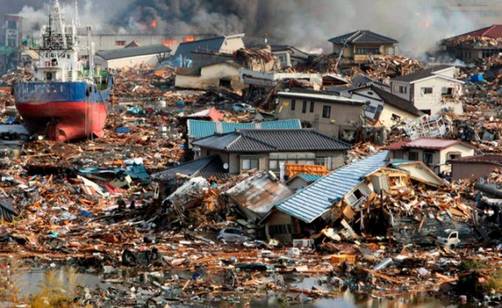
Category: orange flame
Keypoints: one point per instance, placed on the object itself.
(154, 24)
(169, 42)
(188, 38)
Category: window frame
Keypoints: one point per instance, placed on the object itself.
(293, 104)
(425, 92)
(326, 109)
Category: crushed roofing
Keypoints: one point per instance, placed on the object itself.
(362, 37)
(426, 143)
(323, 96)
(309, 178)
(132, 52)
(207, 166)
(423, 73)
(396, 101)
(199, 129)
(316, 199)
(493, 31)
(269, 140)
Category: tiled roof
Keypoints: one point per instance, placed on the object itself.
(396, 101)
(132, 52)
(362, 37)
(199, 129)
(270, 140)
(422, 74)
(322, 96)
(493, 31)
(316, 199)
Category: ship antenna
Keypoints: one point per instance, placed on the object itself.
(76, 17)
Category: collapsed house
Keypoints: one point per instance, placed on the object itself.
(474, 167)
(384, 107)
(435, 153)
(475, 45)
(224, 74)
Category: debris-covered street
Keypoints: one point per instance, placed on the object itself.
(233, 170)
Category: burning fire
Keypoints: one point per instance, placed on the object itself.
(188, 38)
(154, 24)
(169, 42)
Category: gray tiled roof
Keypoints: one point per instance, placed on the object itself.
(268, 140)
(206, 166)
(132, 52)
(362, 37)
(422, 74)
(185, 49)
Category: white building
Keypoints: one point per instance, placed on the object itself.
(133, 56)
(431, 90)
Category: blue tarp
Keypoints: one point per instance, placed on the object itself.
(478, 78)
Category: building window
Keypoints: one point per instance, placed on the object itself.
(453, 155)
(426, 111)
(446, 91)
(293, 105)
(120, 43)
(427, 90)
(248, 163)
(367, 51)
(273, 165)
(413, 155)
(304, 107)
(428, 158)
(312, 107)
(326, 112)
(403, 89)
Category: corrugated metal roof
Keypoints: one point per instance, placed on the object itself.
(313, 201)
(132, 52)
(309, 177)
(199, 129)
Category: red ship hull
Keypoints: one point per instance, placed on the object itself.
(64, 121)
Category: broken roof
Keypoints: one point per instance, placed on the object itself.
(362, 37)
(419, 171)
(313, 201)
(212, 44)
(321, 96)
(132, 52)
(427, 143)
(396, 101)
(259, 193)
(205, 167)
(426, 73)
(272, 140)
(493, 31)
(199, 129)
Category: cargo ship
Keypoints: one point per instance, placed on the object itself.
(64, 101)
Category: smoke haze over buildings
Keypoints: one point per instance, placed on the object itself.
(418, 25)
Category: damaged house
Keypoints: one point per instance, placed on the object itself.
(474, 167)
(386, 108)
(224, 74)
(358, 46)
(431, 90)
(289, 56)
(331, 114)
(475, 45)
(132, 56)
(271, 149)
(435, 153)
(315, 203)
(184, 56)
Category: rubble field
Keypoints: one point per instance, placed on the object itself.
(93, 205)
